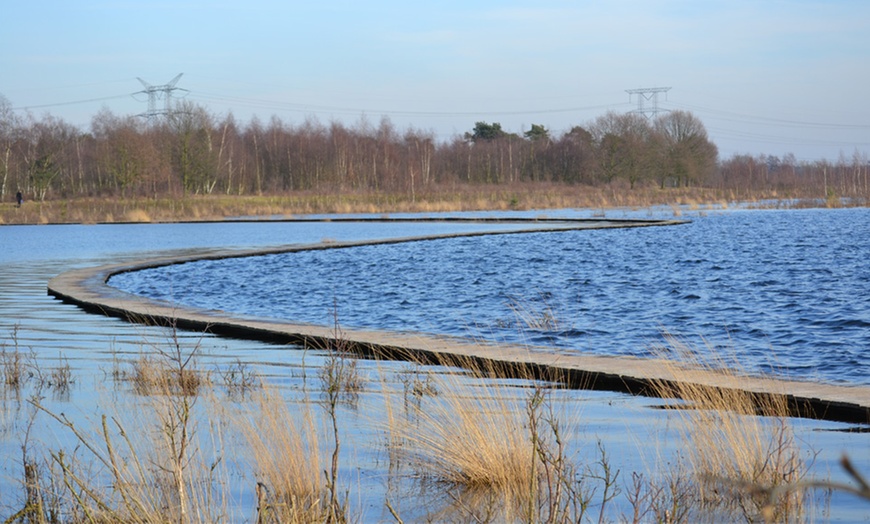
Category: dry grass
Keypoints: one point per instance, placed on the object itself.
(735, 442)
(453, 198)
(142, 464)
(153, 375)
(239, 379)
(476, 440)
(20, 369)
(494, 447)
(481, 448)
(285, 449)
(163, 458)
(13, 369)
(137, 215)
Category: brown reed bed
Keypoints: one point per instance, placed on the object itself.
(481, 442)
(542, 196)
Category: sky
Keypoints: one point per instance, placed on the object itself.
(765, 77)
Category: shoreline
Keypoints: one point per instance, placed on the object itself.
(266, 207)
(88, 289)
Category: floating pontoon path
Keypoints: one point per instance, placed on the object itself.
(88, 289)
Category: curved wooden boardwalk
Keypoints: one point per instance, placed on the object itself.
(88, 289)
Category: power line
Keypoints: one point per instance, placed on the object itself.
(302, 108)
(770, 121)
(58, 104)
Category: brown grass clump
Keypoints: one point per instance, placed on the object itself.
(475, 439)
(13, 372)
(738, 443)
(286, 455)
(153, 375)
(495, 448)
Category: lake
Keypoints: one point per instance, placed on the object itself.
(782, 292)
(717, 281)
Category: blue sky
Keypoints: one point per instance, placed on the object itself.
(766, 76)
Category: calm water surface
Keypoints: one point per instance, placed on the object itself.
(782, 291)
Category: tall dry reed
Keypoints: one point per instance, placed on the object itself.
(286, 453)
(518, 196)
(145, 460)
(736, 441)
(495, 449)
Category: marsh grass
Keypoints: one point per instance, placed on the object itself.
(734, 439)
(143, 465)
(142, 462)
(14, 369)
(492, 449)
(167, 368)
(239, 379)
(179, 456)
(478, 441)
(537, 314)
(60, 379)
(20, 369)
(416, 384)
(438, 199)
(286, 451)
(500, 451)
(151, 375)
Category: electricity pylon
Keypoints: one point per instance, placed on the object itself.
(647, 94)
(156, 92)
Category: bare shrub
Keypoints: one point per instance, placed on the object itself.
(239, 379)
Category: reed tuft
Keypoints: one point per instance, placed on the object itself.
(735, 441)
(285, 451)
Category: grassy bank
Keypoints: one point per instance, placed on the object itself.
(466, 198)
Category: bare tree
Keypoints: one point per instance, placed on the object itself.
(690, 153)
(624, 146)
(8, 129)
(193, 153)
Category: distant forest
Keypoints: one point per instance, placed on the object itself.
(192, 151)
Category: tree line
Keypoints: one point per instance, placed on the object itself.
(192, 151)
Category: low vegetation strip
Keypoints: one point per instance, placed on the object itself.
(88, 289)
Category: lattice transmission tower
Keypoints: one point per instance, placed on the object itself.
(648, 94)
(157, 92)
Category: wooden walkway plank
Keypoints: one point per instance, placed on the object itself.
(88, 289)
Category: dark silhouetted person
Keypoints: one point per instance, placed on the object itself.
(19, 198)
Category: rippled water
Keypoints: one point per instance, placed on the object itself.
(780, 290)
(52, 333)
